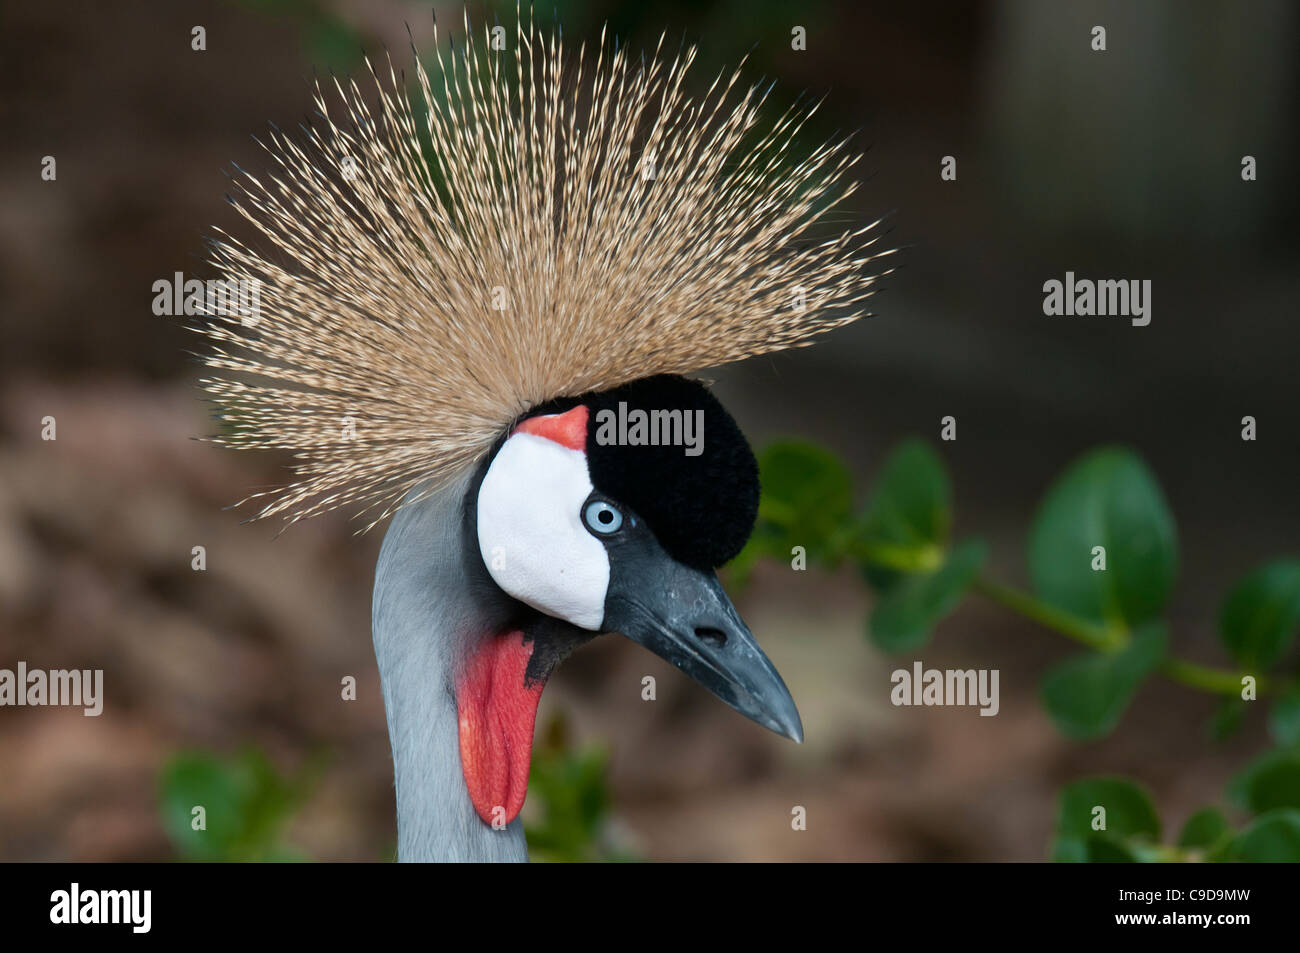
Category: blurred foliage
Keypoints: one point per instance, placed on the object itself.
(909, 609)
(569, 797)
(1114, 820)
(1129, 821)
(1261, 614)
(1087, 695)
(247, 804)
(232, 808)
(1107, 499)
(1110, 599)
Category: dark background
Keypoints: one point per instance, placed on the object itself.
(1122, 164)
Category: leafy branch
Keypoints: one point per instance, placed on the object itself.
(1102, 560)
(240, 807)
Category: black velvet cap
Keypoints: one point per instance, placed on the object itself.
(701, 508)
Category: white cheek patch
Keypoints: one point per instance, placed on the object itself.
(531, 535)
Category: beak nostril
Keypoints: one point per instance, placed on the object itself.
(716, 636)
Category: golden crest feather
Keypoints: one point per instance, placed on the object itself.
(514, 227)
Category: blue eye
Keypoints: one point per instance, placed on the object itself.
(602, 517)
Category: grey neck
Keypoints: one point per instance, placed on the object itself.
(432, 598)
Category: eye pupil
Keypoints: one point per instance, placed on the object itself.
(602, 517)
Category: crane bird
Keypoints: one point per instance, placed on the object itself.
(459, 281)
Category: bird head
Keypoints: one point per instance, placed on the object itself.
(610, 512)
(408, 308)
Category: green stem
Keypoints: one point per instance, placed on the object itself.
(1096, 637)
(899, 558)
(1215, 681)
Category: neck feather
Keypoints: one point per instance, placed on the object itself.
(433, 598)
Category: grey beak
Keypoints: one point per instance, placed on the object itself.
(684, 616)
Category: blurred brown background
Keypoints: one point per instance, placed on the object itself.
(1122, 164)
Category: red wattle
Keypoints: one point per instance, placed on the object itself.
(496, 714)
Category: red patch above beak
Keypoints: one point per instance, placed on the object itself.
(568, 429)
(496, 712)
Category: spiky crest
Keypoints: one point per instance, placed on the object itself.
(439, 262)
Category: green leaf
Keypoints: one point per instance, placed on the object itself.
(911, 504)
(1087, 694)
(566, 816)
(1262, 613)
(246, 803)
(1129, 815)
(1270, 839)
(1284, 718)
(1270, 782)
(807, 500)
(1104, 850)
(764, 543)
(191, 781)
(905, 614)
(1206, 829)
(1110, 499)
